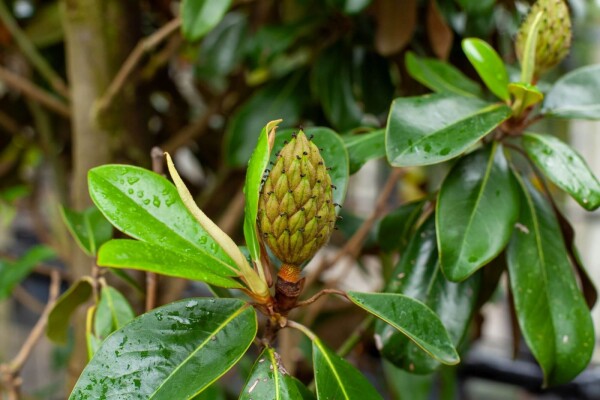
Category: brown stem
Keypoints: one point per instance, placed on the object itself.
(318, 295)
(190, 132)
(158, 166)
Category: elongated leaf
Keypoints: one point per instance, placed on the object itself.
(551, 311)
(477, 207)
(57, 329)
(12, 273)
(254, 174)
(565, 167)
(525, 95)
(575, 95)
(418, 275)
(146, 206)
(334, 154)
(270, 380)
(172, 352)
(414, 319)
(395, 229)
(440, 76)
(200, 16)
(365, 147)
(488, 65)
(112, 312)
(89, 228)
(404, 384)
(132, 254)
(434, 128)
(336, 378)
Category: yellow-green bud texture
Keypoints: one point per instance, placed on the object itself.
(554, 34)
(296, 213)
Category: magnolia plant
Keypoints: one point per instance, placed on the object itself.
(493, 214)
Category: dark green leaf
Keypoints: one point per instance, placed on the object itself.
(551, 310)
(57, 329)
(112, 312)
(477, 207)
(488, 65)
(332, 83)
(270, 380)
(146, 206)
(133, 254)
(198, 17)
(281, 99)
(333, 151)
(376, 85)
(395, 229)
(12, 273)
(430, 129)
(172, 352)
(440, 76)
(406, 385)
(336, 378)
(89, 228)
(413, 319)
(418, 275)
(575, 95)
(364, 147)
(565, 167)
(213, 392)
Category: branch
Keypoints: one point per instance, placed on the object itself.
(34, 92)
(143, 46)
(32, 53)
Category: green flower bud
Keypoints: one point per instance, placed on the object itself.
(554, 34)
(296, 213)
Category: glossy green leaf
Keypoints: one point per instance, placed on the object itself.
(488, 65)
(198, 17)
(13, 272)
(254, 174)
(159, 354)
(336, 378)
(333, 85)
(213, 392)
(575, 95)
(281, 99)
(440, 76)
(430, 129)
(270, 380)
(57, 329)
(364, 147)
(146, 206)
(524, 96)
(333, 152)
(404, 384)
(413, 319)
(112, 312)
(133, 254)
(89, 228)
(551, 310)
(564, 167)
(396, 228)
(477, 207)
(418, 275)
(355, 6)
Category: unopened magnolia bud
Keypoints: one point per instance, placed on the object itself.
(554, 34)
(296, 213)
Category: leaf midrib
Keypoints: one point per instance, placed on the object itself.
(330, 363)
(275, 373)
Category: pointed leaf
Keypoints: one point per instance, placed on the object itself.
(89, 228)
(133, 254)
(564, 167)
(160, 354)
(336, 378)
(112, 312)
(477, 208)
(57, 329)
(418, 275)
(430, 129)
(200, 16)
(551, 310)
(440, 76)
(269, 380)
(414, 319)
(12, 273)
(365, 147)
(575, 95)
(488, 65)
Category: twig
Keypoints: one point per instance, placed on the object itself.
(34, 92)
(151, 278)
(9, 124)
(232, 214)
(143, 46)
(318, 295)
(29, 301)
(355, 337)
(190, 132)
